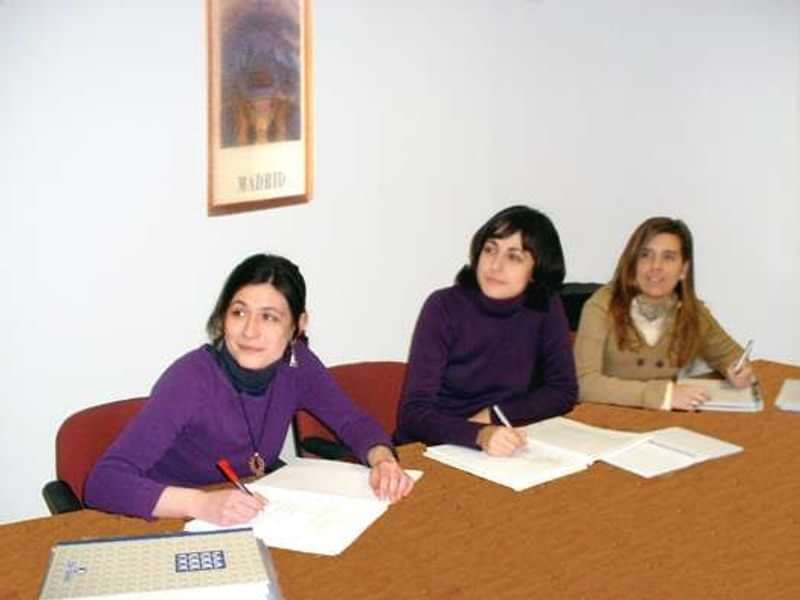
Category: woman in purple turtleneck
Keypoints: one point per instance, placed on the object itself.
(498, 337)
(235, 399)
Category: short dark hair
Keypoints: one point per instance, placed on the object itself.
(539, 237)
(278, 271)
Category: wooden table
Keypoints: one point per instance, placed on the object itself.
(728, 528)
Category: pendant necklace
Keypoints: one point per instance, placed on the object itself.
(256, 462)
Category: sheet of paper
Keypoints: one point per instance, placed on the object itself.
(671, 449)
(317, 506)
(321, 476)
(726, 398)
(789, 396)
(651, 460)
(528, 467)
(315, 523)
(591, 443)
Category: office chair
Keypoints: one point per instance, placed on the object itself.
(376, 387)
(80, 441)
(574, 296)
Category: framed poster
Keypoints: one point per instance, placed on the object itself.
(259, 108)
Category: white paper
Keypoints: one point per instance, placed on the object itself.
(671, 449)
(589, 442)
(314, 505)
(556, 447)
(725, 397)
(320, 476)
(527, 467)
(789, 396)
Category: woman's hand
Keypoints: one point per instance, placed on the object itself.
(688, 397)
(387, 478)
(742, 378)
(501, 441)
(228, 507)
(221, 507)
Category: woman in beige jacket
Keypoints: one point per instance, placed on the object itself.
(638, 331)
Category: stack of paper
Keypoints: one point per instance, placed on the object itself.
(222, 564)
(314, 505)
(671, 449)
(725, 397)
(556, 447)
(789, 396)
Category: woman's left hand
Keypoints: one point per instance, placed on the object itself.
(742, 378)
(387, 478)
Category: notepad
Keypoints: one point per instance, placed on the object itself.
(221, 564)
(314, 505)
(556, 448)
(528, 467)
(726, 398)
(789, 396)
(671, 449)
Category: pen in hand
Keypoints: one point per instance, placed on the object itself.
(231, 475)
(745, 355)
(519, 436)
(501, 416)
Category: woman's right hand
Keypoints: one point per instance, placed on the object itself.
(497, 440)
(228, 507)
(688, 397)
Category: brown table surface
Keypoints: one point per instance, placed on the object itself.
(727, 528)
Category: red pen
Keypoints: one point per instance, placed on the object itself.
(228, 471)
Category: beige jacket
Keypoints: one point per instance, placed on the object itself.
(636, 377)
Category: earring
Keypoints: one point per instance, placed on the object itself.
(292, 357)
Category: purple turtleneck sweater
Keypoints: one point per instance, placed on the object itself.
(194, 417)
(470, 352)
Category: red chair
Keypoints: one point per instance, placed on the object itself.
(376, 387)
(80, 441)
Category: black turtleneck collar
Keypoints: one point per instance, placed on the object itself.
(250, 381)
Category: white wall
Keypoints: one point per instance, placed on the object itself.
(429, 116)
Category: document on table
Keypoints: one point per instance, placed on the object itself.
(789, 396)
(529, 466)
(588, 442)
(315, 505)
(726, 398)
(556, 447)
(671, 449)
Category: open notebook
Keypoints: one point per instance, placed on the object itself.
(789, 396)
(725, 397)
(556, 447)
(671, 449)
(318, 506)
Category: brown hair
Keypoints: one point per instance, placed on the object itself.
(686, 338)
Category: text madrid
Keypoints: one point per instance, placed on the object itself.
(262, 181)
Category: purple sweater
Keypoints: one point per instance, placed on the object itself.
(193, 418)
(470, 352)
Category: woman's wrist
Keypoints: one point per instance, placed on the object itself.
(379, 454)
(180, 502)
